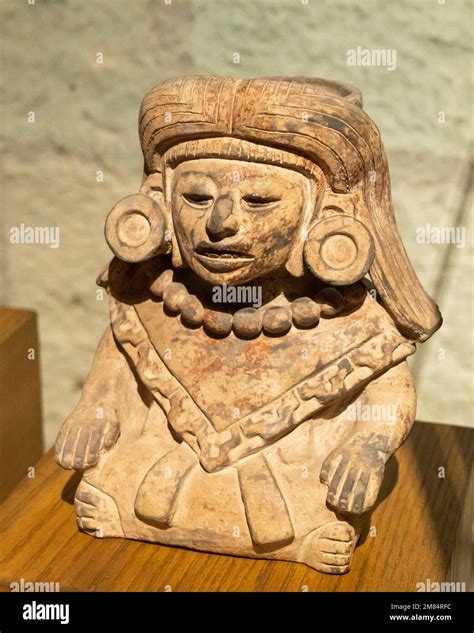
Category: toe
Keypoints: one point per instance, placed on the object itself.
(331, 546)
(88, 498)
(335, 560)
(332, 569)
(87, 494)
(338, 531)
(83, 510)
(87, 524)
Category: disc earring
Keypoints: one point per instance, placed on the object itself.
(135, 228)
(339, 250)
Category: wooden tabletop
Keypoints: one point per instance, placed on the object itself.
(415, 521)
(21, 442)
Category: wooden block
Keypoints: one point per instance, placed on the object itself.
(21, 443)
(415, 534)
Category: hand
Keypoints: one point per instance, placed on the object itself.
(80, 442)
(353, 475)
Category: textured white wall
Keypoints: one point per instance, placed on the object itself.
(86, 120)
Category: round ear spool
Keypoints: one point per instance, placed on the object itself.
(339, 250)
(135, 228)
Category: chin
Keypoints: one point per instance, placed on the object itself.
(232, 278)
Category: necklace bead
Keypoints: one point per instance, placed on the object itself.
(331, 302)
(305, 312)
(193, 312)
(175, 296)
(161, 282)
(277, 320)
(219, 323)
(248, 323)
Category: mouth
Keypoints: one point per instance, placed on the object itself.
(221, 259)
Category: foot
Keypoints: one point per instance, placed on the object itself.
(96, 512)
(329, 548)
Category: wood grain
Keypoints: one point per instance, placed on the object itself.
(416, 528)
(21, 442)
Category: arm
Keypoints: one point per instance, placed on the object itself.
(93, 427)
(354, 471)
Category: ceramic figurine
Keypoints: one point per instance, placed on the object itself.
(253, 382)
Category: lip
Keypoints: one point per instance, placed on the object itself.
(221, 259)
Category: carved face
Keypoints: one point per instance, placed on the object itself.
(236, 221)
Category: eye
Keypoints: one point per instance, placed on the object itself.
(197, 199)
(260, 201)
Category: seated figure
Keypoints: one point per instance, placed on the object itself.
(252, 383)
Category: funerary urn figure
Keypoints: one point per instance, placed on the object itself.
(253, 382)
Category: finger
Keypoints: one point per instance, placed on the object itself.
(111, 434)
(354, 492)
(81, 447)
(348, 488)
(59, 446)
(360, 492)
(67, 457)
(328, 468)
(91, 454)
(61, 437)
(338, 476)
(373, 487)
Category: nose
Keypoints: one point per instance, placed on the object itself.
(222, 221)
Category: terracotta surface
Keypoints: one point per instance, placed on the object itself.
(252, 384)
(396, 552)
